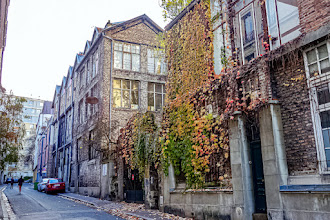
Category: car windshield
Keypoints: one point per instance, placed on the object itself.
(53, 181)
(45, 180)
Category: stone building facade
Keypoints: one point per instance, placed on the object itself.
(119, 74)
(280, 152)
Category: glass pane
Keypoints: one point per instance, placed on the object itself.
(325, 66)
(288, 15)
(151, 87)
(158, 102)
(116, 98)
(311, 56)
(135, 85)
(323, 51)
(116, 84)
(135, 49)
(313, 70)
(126, 99)
(323, 94)
(249, 52)
(127, 48)
(118, 46)
(247, 28)
(327, 156)
(135, 100)
(151, 65)
(325, 119)
(326, 139)
(126, 84)
(158, 66)
(135, 62)
(118, 60)
(127, 61)
(151, 102)
(159, 88)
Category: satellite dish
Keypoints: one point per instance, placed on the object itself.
(92, 100)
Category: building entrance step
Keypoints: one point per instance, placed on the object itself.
(259, 216)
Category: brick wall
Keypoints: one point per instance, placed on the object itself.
(313, 14)
(296, 115)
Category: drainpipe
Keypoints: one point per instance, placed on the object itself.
(110, 100)
(72, 117)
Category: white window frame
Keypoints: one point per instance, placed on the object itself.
(313, 82)
(243, 12)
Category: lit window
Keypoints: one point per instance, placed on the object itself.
(126, 94)
(127, 56)
(156, 96)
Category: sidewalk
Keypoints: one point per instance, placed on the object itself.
(120, 209)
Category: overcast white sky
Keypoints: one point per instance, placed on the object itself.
(44, 36)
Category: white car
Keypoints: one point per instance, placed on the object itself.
(42, 185)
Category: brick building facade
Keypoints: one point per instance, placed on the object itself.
(280, 171)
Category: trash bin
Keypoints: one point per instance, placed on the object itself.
(36, 185)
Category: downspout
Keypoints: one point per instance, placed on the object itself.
(110, 101)
(72, 117)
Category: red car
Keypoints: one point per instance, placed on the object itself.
(55, 185)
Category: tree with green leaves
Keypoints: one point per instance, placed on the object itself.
(11, 129)
(171, 8)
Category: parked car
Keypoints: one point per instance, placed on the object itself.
(55, 185)
(42, 184)
(8, 180)
(15, 180)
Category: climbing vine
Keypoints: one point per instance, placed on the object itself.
(139, 142)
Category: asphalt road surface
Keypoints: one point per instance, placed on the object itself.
(31, 204)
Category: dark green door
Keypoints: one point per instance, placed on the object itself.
(258, 177)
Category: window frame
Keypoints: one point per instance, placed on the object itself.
(130, 53)
(243, 12)
(130, 93)
(163, 93)
(313, 83)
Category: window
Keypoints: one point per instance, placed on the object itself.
(92, 146)
(318, 75)
(127, 56)
(317, 60)
(82, 72)
(248, 34)
(86, 109)
(156, 62)
(156, 96)
(126, 94)
(80, 111)
(95, 64)
(88, 67)
(94, 107)
(283, 21)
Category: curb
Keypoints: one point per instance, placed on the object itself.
(104, 209)
(3, 207)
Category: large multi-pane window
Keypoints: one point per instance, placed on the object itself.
(156, 62)
(126, 93)
(156, 96)
(318, 75)
(127, 56)
(283, 21)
